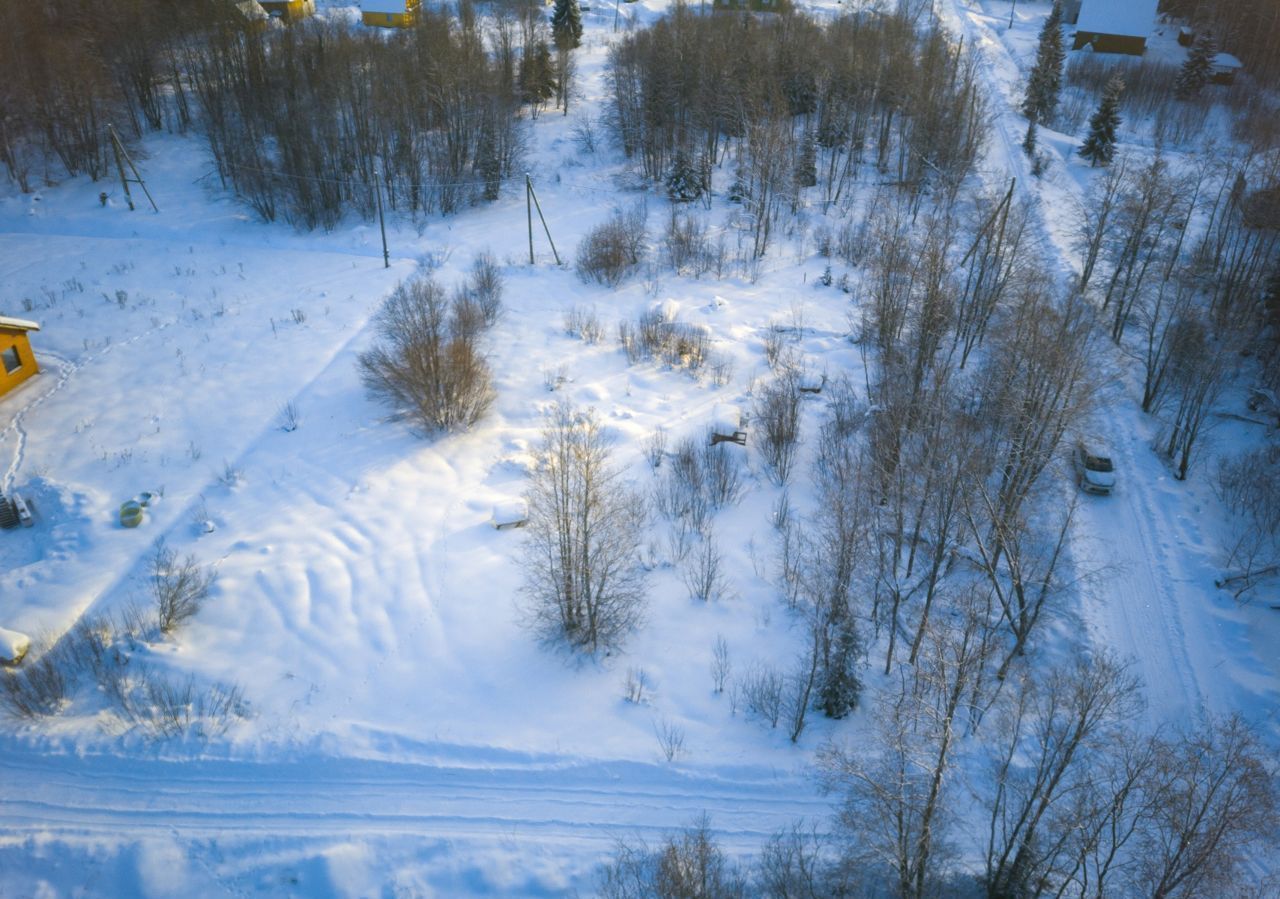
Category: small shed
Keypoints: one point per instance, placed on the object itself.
(17, 362)
(390, 13)
(1224, 69)
(1115, 26)
(288, 10)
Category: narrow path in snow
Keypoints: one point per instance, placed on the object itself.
(1134, 588)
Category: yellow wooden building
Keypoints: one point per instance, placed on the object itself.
(17, 362)
(390, 13)
(288, 10)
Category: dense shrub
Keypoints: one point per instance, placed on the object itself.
(613, 249)
(426, 360)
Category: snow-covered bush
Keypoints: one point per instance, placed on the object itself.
(613, 249)
(180, 586)
(777, 425)
(426, 359)
(763, 691)
(584, 323)
(677, 344)
(485, 286)
(689, 863)
(35, 690)
(703, 574)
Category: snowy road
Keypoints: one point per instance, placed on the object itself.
(584, 799)
(1146, 569)
(481, 803)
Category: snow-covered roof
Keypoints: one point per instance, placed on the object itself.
(386, 6)
(1227, 61)
(20, 324)
(1133, 18)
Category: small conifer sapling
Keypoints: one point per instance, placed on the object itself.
(1100, 145)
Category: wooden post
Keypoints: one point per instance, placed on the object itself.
(382, 224)
(528, 208)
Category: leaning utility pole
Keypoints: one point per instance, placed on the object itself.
(122, 159)
(382, 225)
(529, 193)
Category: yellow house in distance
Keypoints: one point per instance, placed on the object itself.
(17, 362)
(288, 10)
(390, 13)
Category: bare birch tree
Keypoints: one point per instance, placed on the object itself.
(582, 576)
(1051, 730)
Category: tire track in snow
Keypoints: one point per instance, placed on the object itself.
(586, 800)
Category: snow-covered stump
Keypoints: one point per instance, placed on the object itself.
(667, 311)
(811, 382)
(13, 646)
(510, 514)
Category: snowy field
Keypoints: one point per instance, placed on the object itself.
(406, 734)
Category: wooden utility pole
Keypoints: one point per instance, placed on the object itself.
(382, 224)
(528, 209)
(122, 159)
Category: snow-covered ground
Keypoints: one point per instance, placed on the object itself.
(408, 736)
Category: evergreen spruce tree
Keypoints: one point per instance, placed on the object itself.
(537, 74)
(1100, 145)
(566, 24)
(488, 164)
(1029, 142)
(838, 686)
(684, 181)
(1195, 72)
(806, 169)
(1045, 83)
(1271, 304)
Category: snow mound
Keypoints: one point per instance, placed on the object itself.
(510, 514)
(13, 646)
(726, 419)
